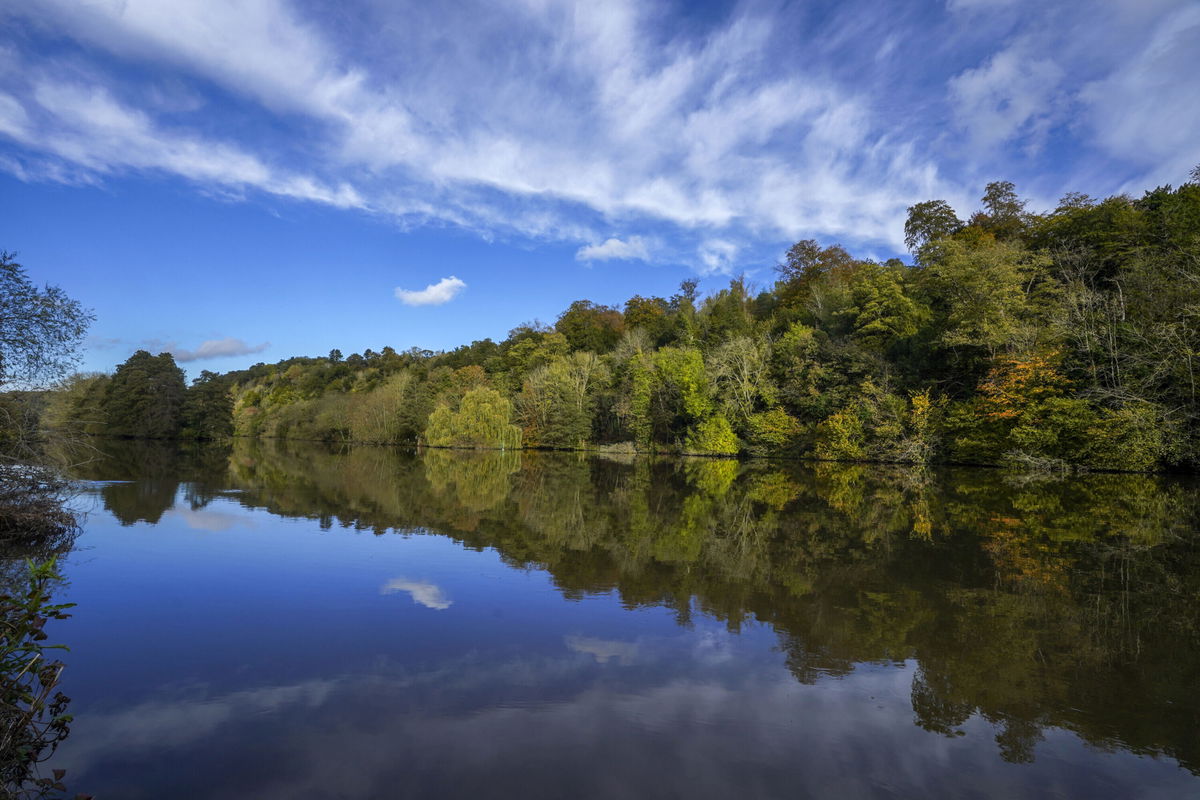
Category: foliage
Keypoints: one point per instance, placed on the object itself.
(772, 431)
(713, 436)
(145, 397)
(39, 331)
(207, 411)
(39, 328)
(1065, 339)
(481, 421)
(33, 718)
(590, 327)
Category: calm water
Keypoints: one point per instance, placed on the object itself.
(276, 621)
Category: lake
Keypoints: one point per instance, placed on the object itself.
(277, 620)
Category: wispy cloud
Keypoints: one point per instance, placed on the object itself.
(102, 342)
(750, 131)
(435, 294)
(215, 348)
(1014, 94)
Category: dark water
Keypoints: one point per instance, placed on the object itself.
(289, 622)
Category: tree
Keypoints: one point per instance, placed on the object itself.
(984, 293)
(145, 397)
(482, 421)
(929, 221)
(726, 314)
(1003, 213)
(739, 371)
(40, 329)
(806, 261)
(555, 403)
(881, 311)
(589, 326)
(651, 314)
(77, 405)
(208, 407)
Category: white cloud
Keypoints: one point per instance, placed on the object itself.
(717, 255)
(435, 294)
(1148, 109)
(602, 118)
(1013, 93)
(86, 126)
(422, 592)
(626, 125)
(14, 121)
(216, 348)
(615, 249)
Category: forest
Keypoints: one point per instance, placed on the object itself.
(1059, 340)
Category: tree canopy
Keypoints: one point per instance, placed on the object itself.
(842, 357)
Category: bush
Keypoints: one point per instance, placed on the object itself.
(1129, 438)
(713, 436)
(773, 431)
(33, 718)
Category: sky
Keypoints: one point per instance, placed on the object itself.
(236, 181)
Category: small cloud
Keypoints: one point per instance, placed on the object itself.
(102, 342)
(603, 650)
(434, 294)
(614, 250)
(717, 255)
(423, 593)
(216, 348)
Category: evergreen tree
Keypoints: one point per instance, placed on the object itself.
(145, 397)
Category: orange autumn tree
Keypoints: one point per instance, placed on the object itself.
(1020, 383)
(1023, 412)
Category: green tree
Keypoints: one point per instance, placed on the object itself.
(556, 402)
(207, 411)
(929, 221)
(482, 420)
(588, 326)
(145, 397)
(881, 311)
(40, 329)
(985, 296)
(1003, 213)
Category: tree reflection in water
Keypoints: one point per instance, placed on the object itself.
(1068, 602)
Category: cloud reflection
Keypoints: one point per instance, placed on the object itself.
(423, 593)
(603, 650)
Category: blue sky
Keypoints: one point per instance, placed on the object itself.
(247, 180)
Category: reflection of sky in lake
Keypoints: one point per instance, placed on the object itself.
(423, 593)
(227, 653)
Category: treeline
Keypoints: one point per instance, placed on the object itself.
(146, 398)
(1052, 340)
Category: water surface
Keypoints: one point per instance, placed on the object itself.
(283, 621)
